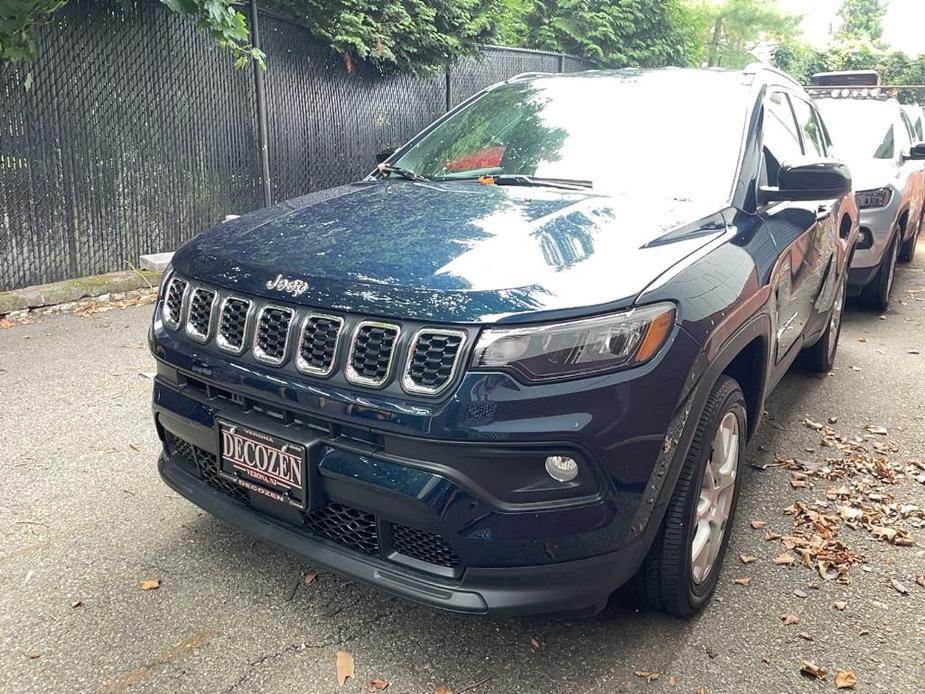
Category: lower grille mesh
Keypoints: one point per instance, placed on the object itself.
(345, 525)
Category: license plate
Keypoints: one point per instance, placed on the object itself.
(263, 463)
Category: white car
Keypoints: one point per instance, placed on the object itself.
(875, 136)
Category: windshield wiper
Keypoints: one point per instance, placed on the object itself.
(404, 173)
(524, 180)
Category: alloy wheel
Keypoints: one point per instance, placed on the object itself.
(716, 494)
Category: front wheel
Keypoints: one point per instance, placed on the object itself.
(681, 570)
(820, 357)
(908, 250)
(876, 295)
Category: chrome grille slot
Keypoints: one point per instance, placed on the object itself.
(199, 318)
(432, 360)
(318, 344)
(173, 302)
(371, 353)
(272, 337)
(232, 325)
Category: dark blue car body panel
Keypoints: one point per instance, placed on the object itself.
(471, 255)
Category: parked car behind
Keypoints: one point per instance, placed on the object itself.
(518, 365)
(875, 137)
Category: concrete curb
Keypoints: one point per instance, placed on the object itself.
(70, 291)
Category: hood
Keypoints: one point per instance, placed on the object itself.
(869, 173)
(449, 252)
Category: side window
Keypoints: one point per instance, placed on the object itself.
(813, 140)
(781, 141)
(910, 129)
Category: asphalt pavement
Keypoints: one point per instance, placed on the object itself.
(84, 519)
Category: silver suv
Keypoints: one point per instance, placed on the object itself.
(875, 137)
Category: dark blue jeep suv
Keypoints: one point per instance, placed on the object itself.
(518, 365)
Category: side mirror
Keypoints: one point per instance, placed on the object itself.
(916, 152)
(384, 154)
(813, 180)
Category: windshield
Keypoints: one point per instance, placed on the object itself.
(860, 129)
(656, 133)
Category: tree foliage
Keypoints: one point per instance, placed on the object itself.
(738, 27)
(862, 19)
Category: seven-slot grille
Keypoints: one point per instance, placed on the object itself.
(173, 302)
(371, 353)
(318, 344)
(232, 326)
(199, 320)
(432, 360)
(272, 337)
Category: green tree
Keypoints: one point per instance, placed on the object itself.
(738, 27)
(614, 33)
(862, 19)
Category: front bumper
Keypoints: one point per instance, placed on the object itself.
(574, 586)
(880, 221)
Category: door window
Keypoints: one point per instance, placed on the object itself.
(781, 138)
(813, 140)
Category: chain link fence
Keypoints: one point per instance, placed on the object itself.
(137, 134)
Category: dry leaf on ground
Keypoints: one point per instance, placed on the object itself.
(899, 587)
(840, 605)
(746, 558)
(443, 690)
(344, 666)
(758, 524)
(744, 581)
(134, 446)
(376, 685)
(789, 618)
(647, 675)
(875, 429)
(920, 580)
(845, 679)
(785, 559)
(77, 603)
(309, 577)
(5, 324)
(150, 584)
(810, 669)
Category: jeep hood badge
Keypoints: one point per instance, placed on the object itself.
(288, 286)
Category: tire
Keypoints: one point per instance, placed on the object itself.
(907, 252)
(667, 582)
(876, 295)
(820, 357)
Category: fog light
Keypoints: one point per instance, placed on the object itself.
(561, 468)
(865, 238)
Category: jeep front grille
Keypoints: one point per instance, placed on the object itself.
(423, 545)
(232, 326)
(173, 302)
(272, 337)
(199, 320)
(310, 342)
(318, 344)
(432, 360)
(371, 353)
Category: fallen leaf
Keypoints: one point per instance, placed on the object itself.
(647, 675)
(34, 654)
(816, 426)
(913, 351)
(801, 593)
(758, 524)
(845, 679)
(920, 580)
(785, 559)
(376, 685)
(5, 324)
(789, 618)
(700, 690)
(769, 536)
(745, 581)
(833, 420)
(134, 446)
(344, 666)
(805, 636)
(810, 669)
(899, 587)
(150, 584)
(77, 603)
(309, 578)
(534, 643)
(840, 605)
(746, 558)
(443, 690)
(874, 429)
(672, 680)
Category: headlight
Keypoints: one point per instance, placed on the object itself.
(576, 348)
(165, 278)
(880, 197)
